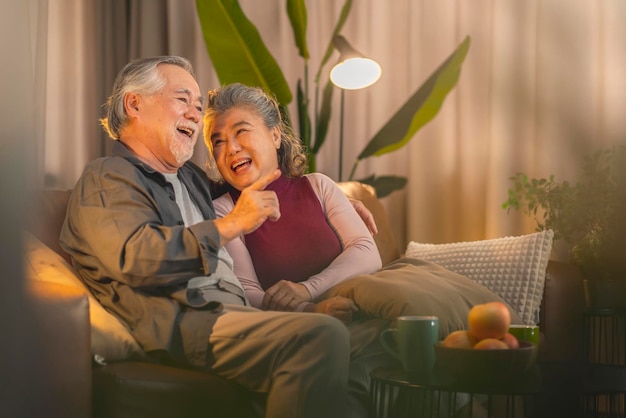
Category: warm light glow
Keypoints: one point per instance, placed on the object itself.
(355, 73)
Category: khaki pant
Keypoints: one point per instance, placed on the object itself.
(310, 365)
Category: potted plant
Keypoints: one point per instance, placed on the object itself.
(239, 54)
(588, 217)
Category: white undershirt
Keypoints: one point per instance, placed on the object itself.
(188, 209)
(191, 215)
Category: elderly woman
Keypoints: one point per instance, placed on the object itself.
(319, 240)
(319, 256)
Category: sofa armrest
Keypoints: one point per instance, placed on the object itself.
(385, 241)
(561, 314)
(61, 314)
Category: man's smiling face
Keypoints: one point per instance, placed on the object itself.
(171, 118)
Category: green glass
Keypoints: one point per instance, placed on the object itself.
(529, 333)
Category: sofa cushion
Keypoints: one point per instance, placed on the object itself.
(45, 217)
(513, 267)
(410, 286)
(109, 338)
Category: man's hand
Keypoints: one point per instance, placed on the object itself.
(337, 306)
(254, 206)
(365, 215)
(285, 296)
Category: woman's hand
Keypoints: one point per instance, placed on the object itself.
(366, 215)
(285, 296)
(337, 306)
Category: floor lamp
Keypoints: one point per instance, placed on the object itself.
(354, 71)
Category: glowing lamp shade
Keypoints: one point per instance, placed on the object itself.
(353, 71)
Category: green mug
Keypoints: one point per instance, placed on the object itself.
(413, 343)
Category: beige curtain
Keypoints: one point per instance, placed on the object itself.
(23, 354)
(542, 85)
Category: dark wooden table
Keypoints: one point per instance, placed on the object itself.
(546, 390)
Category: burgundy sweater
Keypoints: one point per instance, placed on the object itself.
(295, 260)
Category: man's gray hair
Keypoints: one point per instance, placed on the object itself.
(138, 76)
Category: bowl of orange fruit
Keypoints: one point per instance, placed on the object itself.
(486, 350)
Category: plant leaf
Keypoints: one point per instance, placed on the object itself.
(237, 51)
(343, 16)
(420, 108)
(303, 117)
(296, 10)
(323, 120)
(385, 185)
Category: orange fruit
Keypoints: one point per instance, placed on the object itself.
(489, 320)
(510, 340)
(460, 339)
(490, 344)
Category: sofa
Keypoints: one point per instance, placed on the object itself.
(122, 383)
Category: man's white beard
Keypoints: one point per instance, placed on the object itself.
(182, 151)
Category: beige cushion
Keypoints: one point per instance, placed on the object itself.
(417, 287)
(384, 238)
(109, 338)
(513, 267)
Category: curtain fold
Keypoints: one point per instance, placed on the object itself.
(71, 103)
(39, 50)
(541, 87)
(24, 357)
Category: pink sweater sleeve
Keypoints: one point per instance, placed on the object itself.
(360, 254)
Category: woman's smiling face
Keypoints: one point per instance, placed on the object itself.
(244, 148)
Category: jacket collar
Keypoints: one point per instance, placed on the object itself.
(121, 150)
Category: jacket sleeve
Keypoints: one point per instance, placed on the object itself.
(123, 226)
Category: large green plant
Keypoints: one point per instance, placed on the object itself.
(588, 214)
(238, 54)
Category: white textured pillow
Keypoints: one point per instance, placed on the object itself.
(109, 338)
(512, 267)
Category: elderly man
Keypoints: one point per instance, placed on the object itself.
(143, 235)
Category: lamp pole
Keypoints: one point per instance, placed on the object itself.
(341, 134)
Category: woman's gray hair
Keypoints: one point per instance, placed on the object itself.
(138, 76)
(292, 159)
